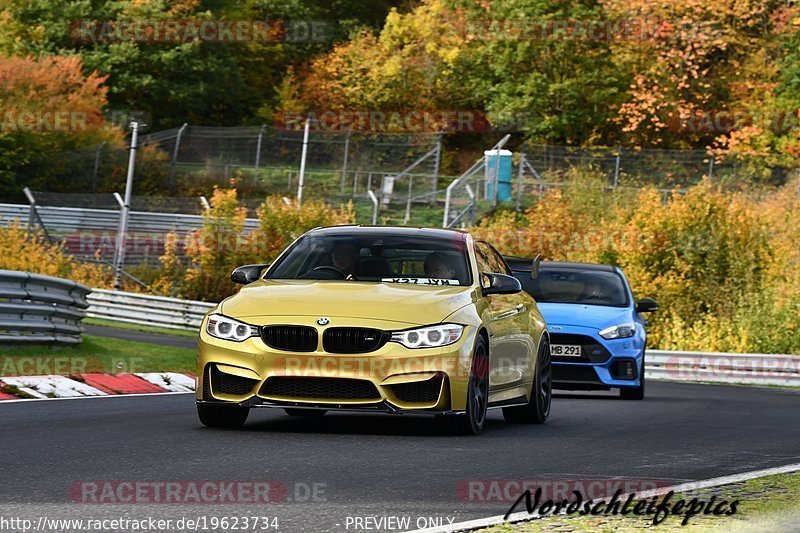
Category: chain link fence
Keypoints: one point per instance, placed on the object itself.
(623, 172)
(400, 170)
(403, 168)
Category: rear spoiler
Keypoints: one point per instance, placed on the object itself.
(535, 266)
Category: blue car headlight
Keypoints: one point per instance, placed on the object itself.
(622, 331)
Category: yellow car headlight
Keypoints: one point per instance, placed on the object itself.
(429, 336)
(226, 328)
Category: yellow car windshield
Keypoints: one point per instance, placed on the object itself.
(376, 257)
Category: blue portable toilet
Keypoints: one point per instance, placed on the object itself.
(504, 177)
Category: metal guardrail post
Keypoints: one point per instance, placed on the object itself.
(374, 206)
(123, 222)
(34, 215)
(121, 204)
(616, 169)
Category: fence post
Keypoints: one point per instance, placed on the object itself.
(97, 164)
(175, 154)
(258, 155)
(436, 163)
(303, 164)
(123, 220)
(711, 167)
(520, 173)
(616, 168)
(346, 153)
(408, 201)
(471, 205)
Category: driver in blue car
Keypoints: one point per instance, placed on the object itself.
(593, 290)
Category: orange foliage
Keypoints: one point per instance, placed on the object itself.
(52, 85)
(30, 252)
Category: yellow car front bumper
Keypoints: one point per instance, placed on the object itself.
(392, 378)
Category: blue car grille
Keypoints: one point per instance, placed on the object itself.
(591, 349)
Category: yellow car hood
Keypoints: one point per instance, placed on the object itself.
(395, 302)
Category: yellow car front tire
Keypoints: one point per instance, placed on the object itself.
(537, 409)
(222, 416)
(473, 421)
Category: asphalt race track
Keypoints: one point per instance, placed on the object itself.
(141, 336)
(379, 465)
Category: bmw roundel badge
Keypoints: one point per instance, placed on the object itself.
(322, 321)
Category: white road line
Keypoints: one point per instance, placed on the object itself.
(3, 402)
(683, 487)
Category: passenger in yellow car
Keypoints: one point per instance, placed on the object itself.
(438, 266)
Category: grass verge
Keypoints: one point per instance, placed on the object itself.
(94, 354)
(191, 333)
(770, 503)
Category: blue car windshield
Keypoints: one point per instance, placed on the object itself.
(575, 286)
(376, 257)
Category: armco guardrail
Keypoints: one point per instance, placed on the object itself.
(36, 308)
(146, 309)
(85, 232)
(755, 369)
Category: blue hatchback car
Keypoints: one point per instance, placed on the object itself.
(597, 335)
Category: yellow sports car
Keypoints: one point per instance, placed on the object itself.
(377, 319)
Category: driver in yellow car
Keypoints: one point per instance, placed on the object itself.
(345, 257)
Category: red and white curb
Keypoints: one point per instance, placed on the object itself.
(170, 381)
(93, 385)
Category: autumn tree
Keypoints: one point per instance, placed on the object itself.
(48, 105)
